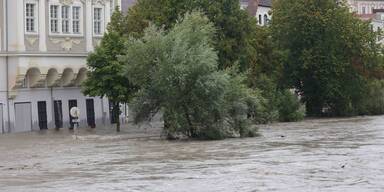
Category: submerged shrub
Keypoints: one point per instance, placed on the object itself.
(290, 108)
(178, 75)
(373, 101)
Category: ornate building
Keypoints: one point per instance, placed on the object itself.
(43, 50)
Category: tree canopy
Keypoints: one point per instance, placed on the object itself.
(104, 78)
(233, 25)
(329, 53)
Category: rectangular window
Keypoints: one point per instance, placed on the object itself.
(90, 105)
(54, 18)
(97, 21)
(30, 17)
(65, 19)
(76, 20)
(58, 111)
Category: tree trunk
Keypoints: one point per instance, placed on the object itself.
(116, 114)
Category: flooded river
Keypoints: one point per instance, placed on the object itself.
(343, 155)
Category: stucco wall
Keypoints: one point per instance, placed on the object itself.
(31, 43)
(2, 12)
(359, 6)
(66, 44)
(96, 41)
(261, 11)
(45, 52)
(63, 94)
(3, 94)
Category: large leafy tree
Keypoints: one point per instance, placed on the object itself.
(178, 74)
(233, 25)
(330, 53)
(104, 76)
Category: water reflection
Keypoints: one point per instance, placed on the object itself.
(314, 155)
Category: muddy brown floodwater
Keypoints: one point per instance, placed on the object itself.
(342, 155)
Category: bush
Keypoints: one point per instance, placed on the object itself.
(290, 108)
(373, 101)
(277, 104)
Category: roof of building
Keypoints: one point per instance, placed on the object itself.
(265, 3)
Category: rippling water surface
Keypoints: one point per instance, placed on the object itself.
(343, 155)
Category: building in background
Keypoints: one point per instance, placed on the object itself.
(370, 10)
(365, 7)
(377, 23)
(43, 50)
(263, 13)
(261, 9)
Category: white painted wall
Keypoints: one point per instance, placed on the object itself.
(261, 13)
(3, 97)
(16, 25)
(20, 61)
(378, 24)
(63, 94)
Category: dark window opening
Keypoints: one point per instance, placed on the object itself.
(58, 110)
(90, 113)
(42, 112)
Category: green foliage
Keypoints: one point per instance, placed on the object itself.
(374, 102)
(265, 75)
(104, 78)
(289, 107)
(178, 74)
(267, 64)
(329, 53)
(233, 25)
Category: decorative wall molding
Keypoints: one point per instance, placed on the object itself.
(102, 2)
(31, 40)
(97, 42)
(66, 2)
(66, 43)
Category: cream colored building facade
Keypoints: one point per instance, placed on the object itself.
(364, 7)
(43, 50)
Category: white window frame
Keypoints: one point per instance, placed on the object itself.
(76, 20)
(60, 19)
(57, 19)
(102, 21)
(67, 20)
(35, 17)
